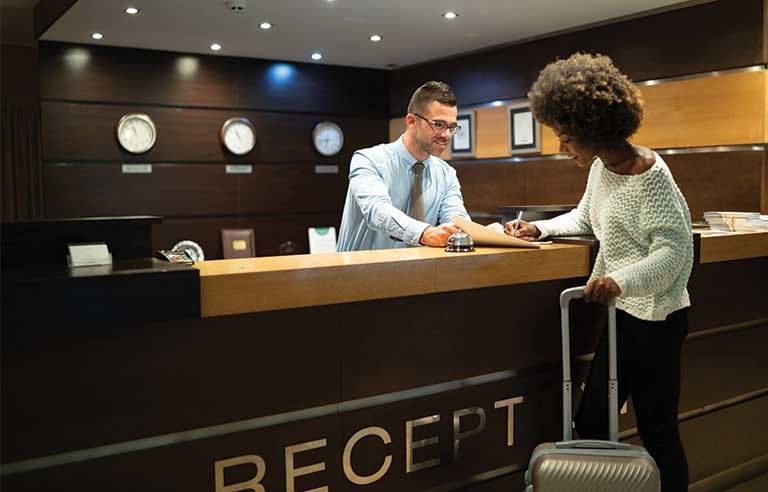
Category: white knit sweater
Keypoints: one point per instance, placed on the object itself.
(644, 228)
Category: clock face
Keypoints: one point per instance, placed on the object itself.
(328, 138)
(136, 133)
(238, 136)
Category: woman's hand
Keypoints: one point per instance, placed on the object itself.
(522, 230)
(601, 290)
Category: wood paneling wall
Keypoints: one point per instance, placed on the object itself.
(85, 90)
(709, 181)
(701, 38)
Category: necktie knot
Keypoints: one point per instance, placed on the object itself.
(418, 168)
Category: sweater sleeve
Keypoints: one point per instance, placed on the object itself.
(573, 223)
(666, 224)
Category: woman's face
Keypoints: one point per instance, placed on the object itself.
(581, 152)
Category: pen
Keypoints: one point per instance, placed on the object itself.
(517, 224)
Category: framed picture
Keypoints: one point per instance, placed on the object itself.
(524, 131)
(463, 143)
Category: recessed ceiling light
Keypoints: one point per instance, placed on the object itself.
(450, 15)
(265, 25)
(215, 46)
(97, 35)
(317, 56)
(131, 10)
(496, 104)
(376, 38)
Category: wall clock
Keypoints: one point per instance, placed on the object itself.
(238, 135)
(136, 132)
(328, 138)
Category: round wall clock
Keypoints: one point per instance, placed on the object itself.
(328, 138)
(136, 132)
(238, 135)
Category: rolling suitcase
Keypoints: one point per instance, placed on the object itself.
(590, 465)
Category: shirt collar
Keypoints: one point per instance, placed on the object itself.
(405, 156)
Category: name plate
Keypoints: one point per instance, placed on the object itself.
(137, 168)
(326, 169)
(239, 169)
(88, 254)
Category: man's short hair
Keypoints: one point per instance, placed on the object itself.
(430, 92)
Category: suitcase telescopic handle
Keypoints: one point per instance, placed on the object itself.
(613, 395)
(593, 444)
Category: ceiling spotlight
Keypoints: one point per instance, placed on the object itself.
(376, 38)
(317, 56)
(97, 35)
(450, 15)
(265, 25)
(131, 10)
(215, 46)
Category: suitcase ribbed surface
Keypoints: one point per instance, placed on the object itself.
(587, 474)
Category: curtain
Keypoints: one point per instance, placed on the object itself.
(21, 153)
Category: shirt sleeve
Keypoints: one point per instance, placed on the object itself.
(372, 197)
(665, 222)
(573, 223)
(452, 203)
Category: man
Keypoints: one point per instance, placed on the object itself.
(400, 192)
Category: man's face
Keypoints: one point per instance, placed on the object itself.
(430, 140)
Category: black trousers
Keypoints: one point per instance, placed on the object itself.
(648, 355)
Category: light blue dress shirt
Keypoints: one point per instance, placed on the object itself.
(376, 209)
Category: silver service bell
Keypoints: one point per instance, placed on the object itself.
(460, 242)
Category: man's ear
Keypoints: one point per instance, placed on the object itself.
(409, 120)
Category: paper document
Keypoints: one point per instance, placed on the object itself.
(482, 236)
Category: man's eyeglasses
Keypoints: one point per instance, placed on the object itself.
(440, 126)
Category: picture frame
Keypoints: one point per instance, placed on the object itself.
(524, 130)
(463, 144)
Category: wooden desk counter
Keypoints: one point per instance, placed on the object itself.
(716, 247)
(284, 282)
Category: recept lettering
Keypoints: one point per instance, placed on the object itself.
(510, 404)
(253, 484)
(458, 435)
(410, 445)
(291, 473)
(347, 457)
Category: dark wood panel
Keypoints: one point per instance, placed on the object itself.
(724, 439)
(86, 132)
(270, 232)
(701, 38)
(88, 190)
(95, 73)
(718, 180)
(487, 185)
(727, 293)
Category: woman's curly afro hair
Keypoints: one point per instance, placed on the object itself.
(586, 97)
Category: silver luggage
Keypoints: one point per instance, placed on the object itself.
(584, 465)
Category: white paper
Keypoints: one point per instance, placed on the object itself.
(322, 239)
(461, 141)
(89, 254)
(523, 124)
(483, 236)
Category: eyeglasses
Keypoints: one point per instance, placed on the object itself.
(440, 126)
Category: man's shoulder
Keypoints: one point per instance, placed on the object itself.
(378, 153)
(442, 165)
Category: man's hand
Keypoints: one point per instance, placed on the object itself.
(601, 290)
(437, 236)
(522, 230)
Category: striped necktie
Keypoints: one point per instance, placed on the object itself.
(416, 209)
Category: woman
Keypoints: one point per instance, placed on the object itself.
(637, 212)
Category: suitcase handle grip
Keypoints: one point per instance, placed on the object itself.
(593, 444)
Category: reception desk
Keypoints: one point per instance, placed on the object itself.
(408, 370)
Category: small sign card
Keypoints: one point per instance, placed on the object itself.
(88, 254)
(322, 239)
